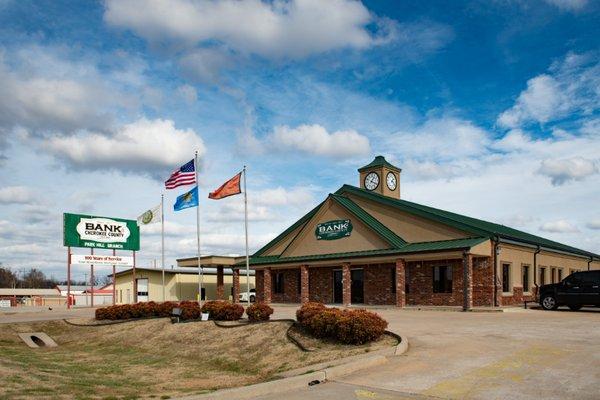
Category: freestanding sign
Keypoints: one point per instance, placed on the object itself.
(92, 259)
(332, 230)
(101, 232)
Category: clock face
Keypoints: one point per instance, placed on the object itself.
(390, 179)
(371, 181)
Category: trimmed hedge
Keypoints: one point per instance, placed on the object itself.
(220, 310)
(259, 312)
(346, 326)
(190, 310)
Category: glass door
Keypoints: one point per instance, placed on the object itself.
(338, 286)
(357, 294)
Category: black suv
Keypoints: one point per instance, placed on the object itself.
(575, 291)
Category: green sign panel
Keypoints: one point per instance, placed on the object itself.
(100, 232)
(332, 230)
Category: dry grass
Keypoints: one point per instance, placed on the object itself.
(151, 359)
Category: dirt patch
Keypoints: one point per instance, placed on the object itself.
(152, 358)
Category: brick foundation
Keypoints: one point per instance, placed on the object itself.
(517, 297)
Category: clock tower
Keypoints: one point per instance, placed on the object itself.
(379, 176)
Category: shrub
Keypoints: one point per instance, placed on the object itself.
(259, 312)
(189, 310)
(308, 310)
(324, 323)
(346, 326)
(359, 326)
(223, 310)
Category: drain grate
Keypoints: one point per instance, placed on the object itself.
(37, 339)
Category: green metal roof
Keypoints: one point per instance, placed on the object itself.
(379, 161)
(461, 222)
(370, 221)
(441, 245)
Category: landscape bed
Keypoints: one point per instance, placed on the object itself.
(153, 358)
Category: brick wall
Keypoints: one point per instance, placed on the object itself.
(320, 284)
(378, 284)
(483, 282)
(290, 286)
(517, 297)
(420, 281)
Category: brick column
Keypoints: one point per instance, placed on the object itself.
(220, 290)
(467, 281)
(304, 290)
(346, 284)
(400, 282)
(267, 285)
(236, 285)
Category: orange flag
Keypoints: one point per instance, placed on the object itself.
(229, 188)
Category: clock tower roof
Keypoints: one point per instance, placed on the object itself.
(379, 161)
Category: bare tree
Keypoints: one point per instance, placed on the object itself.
(8, 279)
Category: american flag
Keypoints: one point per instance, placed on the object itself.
(184, 175)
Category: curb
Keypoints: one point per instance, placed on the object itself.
(304, 380)
(262, 389)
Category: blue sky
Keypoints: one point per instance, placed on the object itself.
(490, 107)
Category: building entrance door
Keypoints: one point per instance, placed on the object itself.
(338, 286)
(142, 289)
(357, 294)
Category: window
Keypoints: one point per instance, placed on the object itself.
(278, 282)
(542, 275)
(553, 275)
(393, 276)
(525, 278)
(299, 281)
(560, 277)
(506, 278)
(442, 279)
(406, 279)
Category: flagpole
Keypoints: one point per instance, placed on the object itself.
(246, 228)
(200, 272)
(162, 221)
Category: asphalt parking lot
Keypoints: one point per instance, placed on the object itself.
(516, 354)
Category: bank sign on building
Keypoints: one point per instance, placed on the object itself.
(100, 232)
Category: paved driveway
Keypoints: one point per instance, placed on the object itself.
(33, 314)
(517, 354)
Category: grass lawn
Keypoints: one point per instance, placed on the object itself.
(151, 359)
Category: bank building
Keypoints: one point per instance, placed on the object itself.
(366, 245)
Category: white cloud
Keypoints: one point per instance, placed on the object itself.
(316, 140)
(441, 139)
(568, 89)
(593, 224)
(188, 93)
(560, 226)
(141, 147)
(563, 170)
(16, 195)
(293, 28)
(56, 89)
(568, 5)
(203, 65)
(279, 196)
